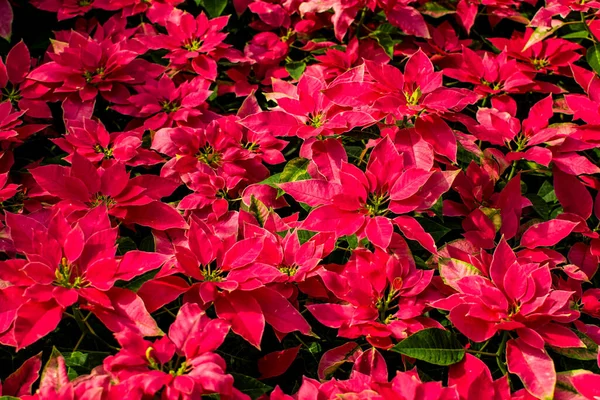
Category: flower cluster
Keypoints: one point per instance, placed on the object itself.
(300, 200)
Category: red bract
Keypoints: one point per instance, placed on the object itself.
(233, 276)
(7, 190)
(84, 66)
(65, 9)
(356, 202)
(335, 62)
(83, 186)
(382, 296)
(157, 11)
(7, 19)
(304, 111)
(547, 55)
(145, 367)
(163, 104)
(194, 43)
(401, 95)
(12, 81)
(91, 139)
(223, 148)
(369, 380)
(66, 263)
(493, 74)
(344, 13)
(501, 299)
(400, 198)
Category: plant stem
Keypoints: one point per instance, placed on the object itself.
(483, 353)
(79, 342)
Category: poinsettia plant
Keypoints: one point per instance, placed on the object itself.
(305, 200)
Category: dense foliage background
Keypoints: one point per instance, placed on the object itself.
(358, 199)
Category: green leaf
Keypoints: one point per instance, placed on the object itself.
(295, 170)
(385, 41)
(576, 35)
(305, 207)
(295, 69)
(314, 348)
(147, 244)
(259, 210)
(433, 345)
(73, 361)
(465, 157)
(435, 10)
(593, 57)
(8, 398)
(250, 386)
(387, 28)
(352, 241)
(546, 192)
(214, 8)
(436, 230)
(125, 244)
(438, 207)
(304, 235)
(136, 283)
(272, 181)
(539, 205)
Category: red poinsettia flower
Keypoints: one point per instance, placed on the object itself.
(146, 367)
(83, 66)
(67, 263)
(83, 186)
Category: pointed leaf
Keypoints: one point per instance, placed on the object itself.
(379, 231)
(6, 19)
(547, 233)
(411, 228)
(156, 215)
(245, 315)
(54, 376)
(279, 312)
(435, 346)
(19, 382)
(128, 312)
(313, 192)
(533, 366)
(35, 320)
(593, 57)
(194, 333)
(332, 359)
(250, 386)
(214, 8)
(277, 362)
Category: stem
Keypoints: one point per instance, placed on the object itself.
(513, 169)
(484, 102)
(85, 327)
(502, 343)
(363, 13)
(485, 345)
(483, 353)
(587, 28)
(500, 364)
(79, 342)
(500, 351)
(305, 345)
